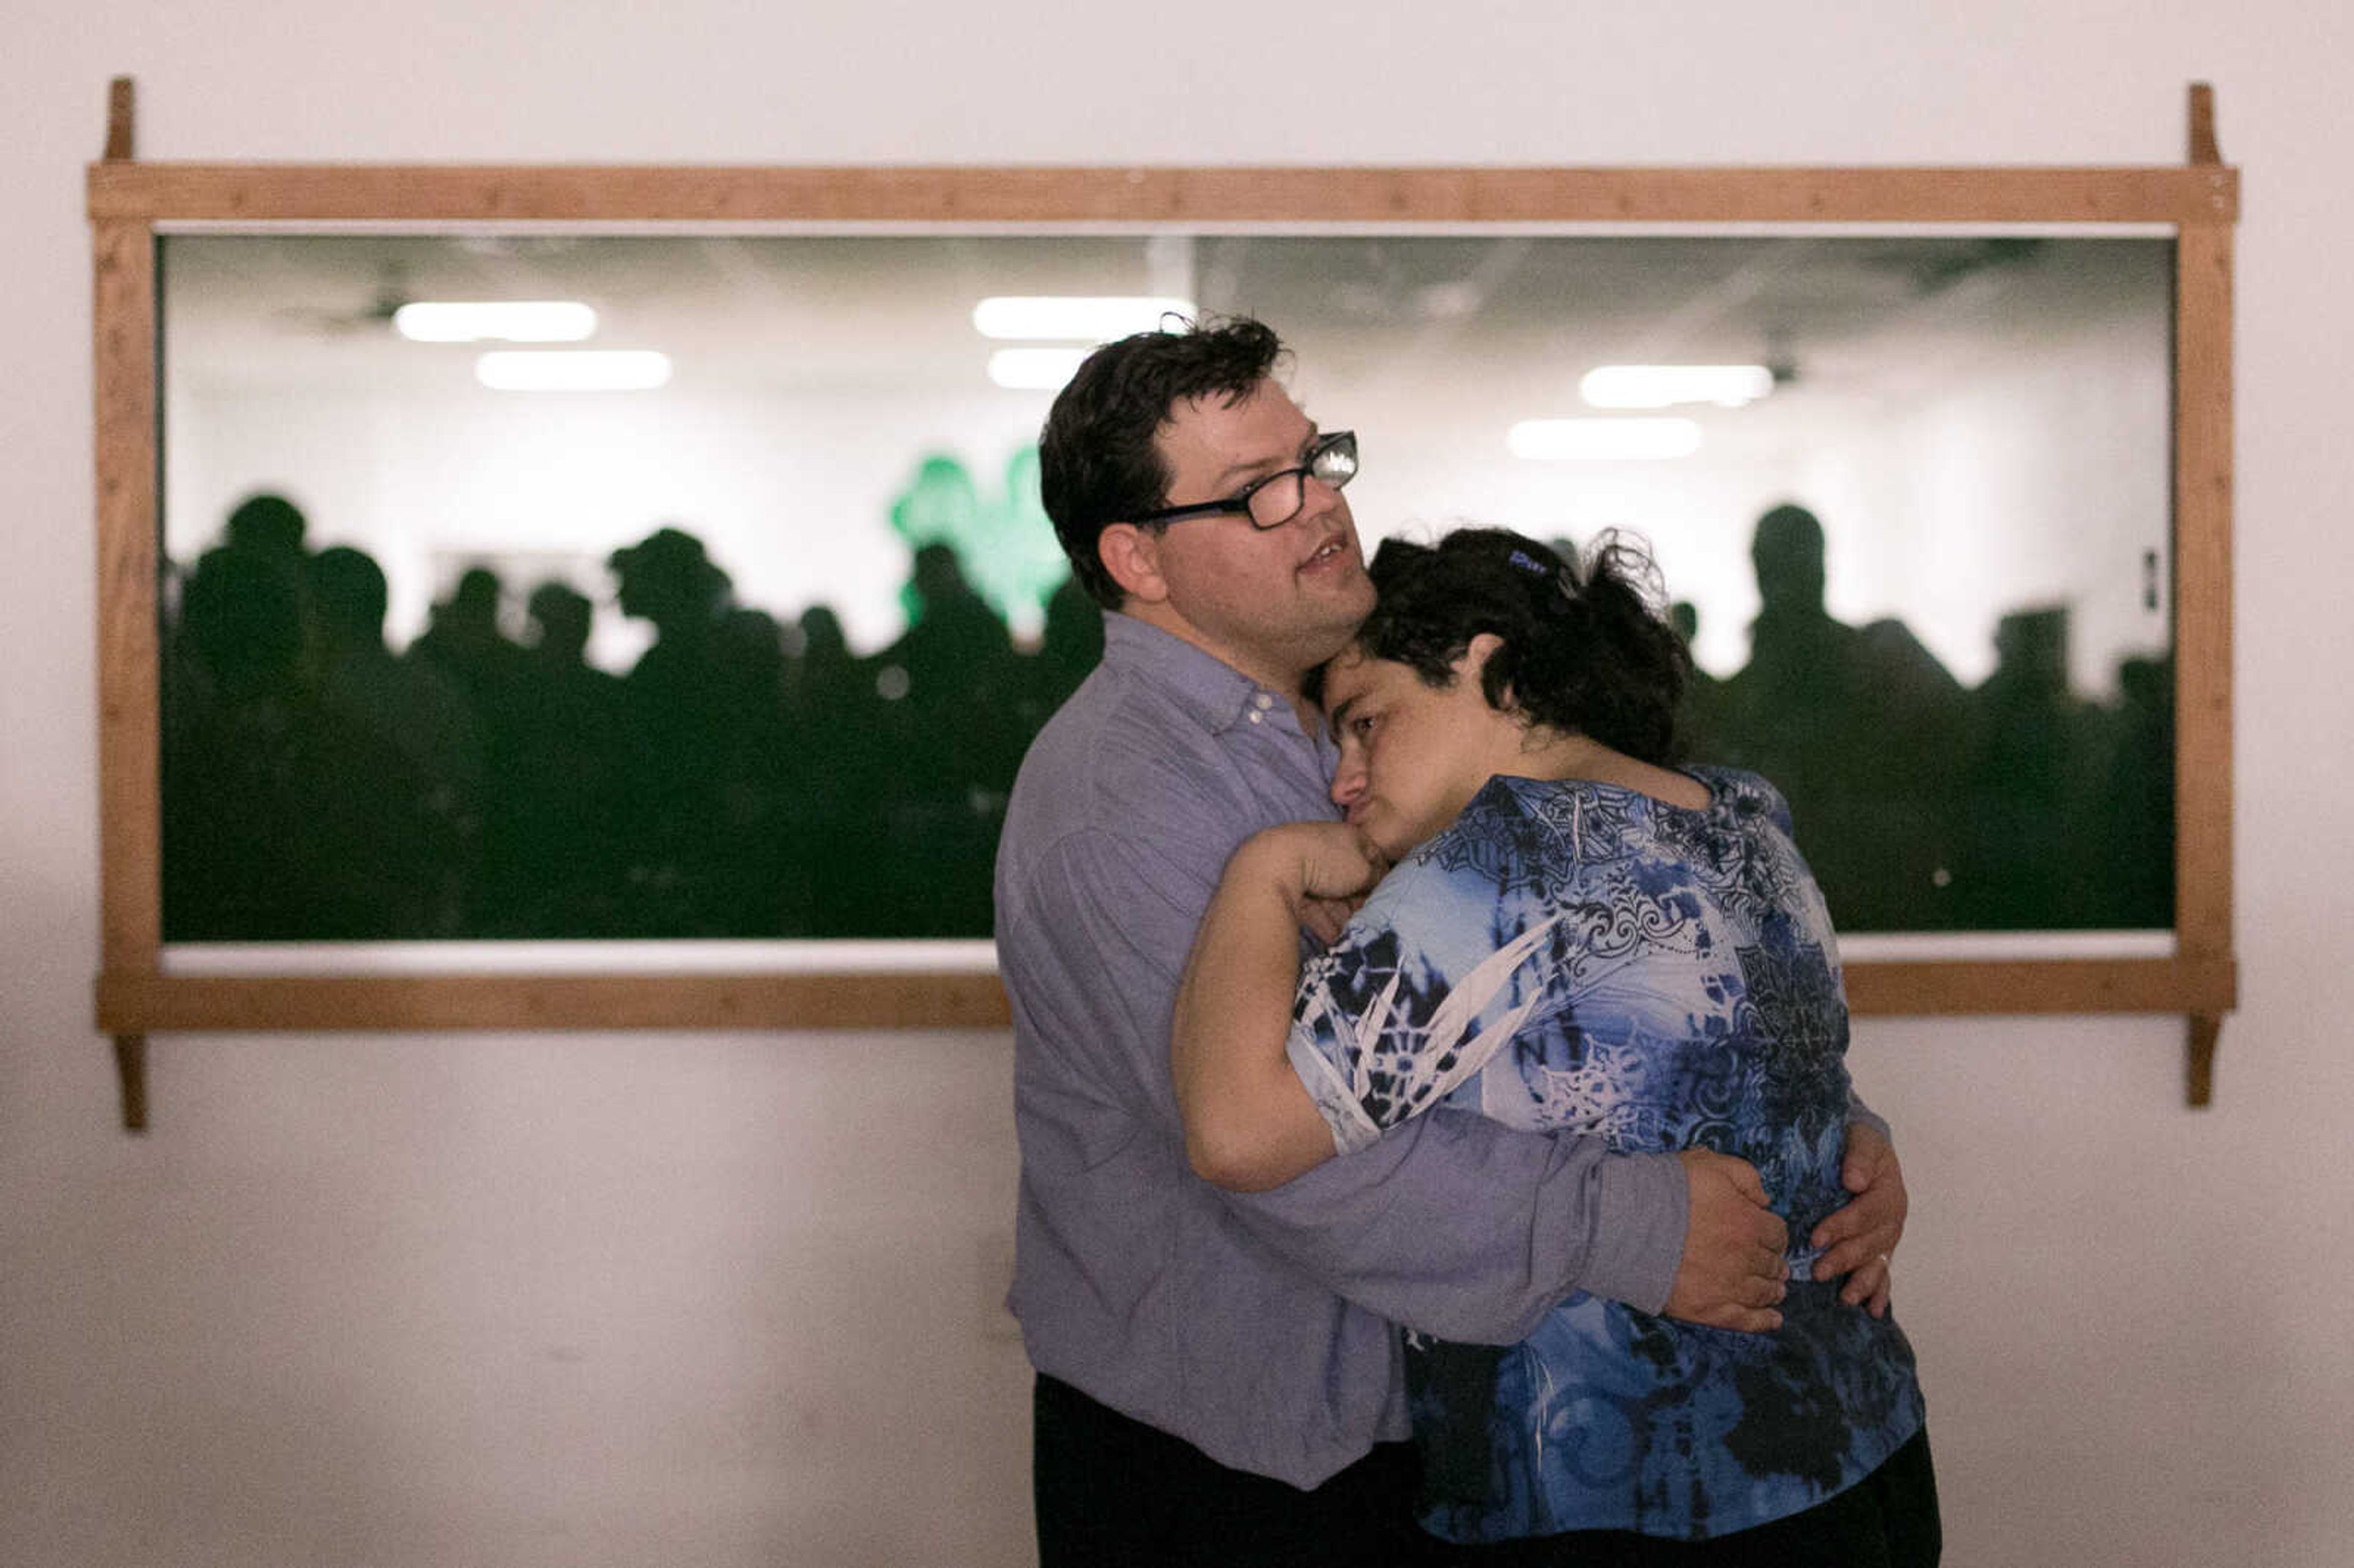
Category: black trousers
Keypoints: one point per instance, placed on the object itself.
(1112, 1493)
(1888, 1519)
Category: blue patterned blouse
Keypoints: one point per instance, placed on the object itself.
(1576, 956)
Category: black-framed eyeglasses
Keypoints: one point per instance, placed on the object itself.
(1272, 501)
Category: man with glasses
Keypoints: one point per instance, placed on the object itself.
(1219, 1378)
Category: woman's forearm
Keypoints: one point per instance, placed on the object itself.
(1249, 1122)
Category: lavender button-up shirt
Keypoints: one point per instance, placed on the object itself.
(1258, 1327)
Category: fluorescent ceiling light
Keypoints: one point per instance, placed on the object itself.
(1603, 440)
(1035, 369)
(573, 370)
(495, 320)
(1072, 318)
(1665, 386)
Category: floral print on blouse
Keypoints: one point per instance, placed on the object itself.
(1577, 957)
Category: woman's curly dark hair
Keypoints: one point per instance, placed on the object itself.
(1585, 645)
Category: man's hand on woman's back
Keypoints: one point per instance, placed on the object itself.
(1857, 1241)
(1731, 1272)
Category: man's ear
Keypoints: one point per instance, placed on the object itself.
(1132, 556)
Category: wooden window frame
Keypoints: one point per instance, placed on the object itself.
(130, 202)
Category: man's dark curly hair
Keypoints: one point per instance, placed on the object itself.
(1097, 462)
(1584, 647)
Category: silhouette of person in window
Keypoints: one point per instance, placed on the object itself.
(1862, 729)
(2031, 862)
(397, 823)
(2138, 800)
(238, 752)
(698, 703)
(953, 685)
(552, 858)
(462, 641)
(1070, 646)
(269, 525)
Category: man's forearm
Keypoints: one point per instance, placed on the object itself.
(1460, 1227)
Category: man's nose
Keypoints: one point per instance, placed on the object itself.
(1317, 499)
(1348, 783)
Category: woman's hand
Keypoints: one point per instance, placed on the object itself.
(1324, 868)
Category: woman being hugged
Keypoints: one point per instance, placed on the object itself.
(1576, 937)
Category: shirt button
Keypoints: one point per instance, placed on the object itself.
(1256, 717)
(1263, 702)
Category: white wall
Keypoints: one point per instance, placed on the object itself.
(622, 1300)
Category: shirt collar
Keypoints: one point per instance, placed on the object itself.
(1213, 693)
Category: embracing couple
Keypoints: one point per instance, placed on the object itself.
(1436, 1141)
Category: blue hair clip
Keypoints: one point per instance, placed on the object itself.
(1558, 575)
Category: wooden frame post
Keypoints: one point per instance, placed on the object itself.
(130, 781)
